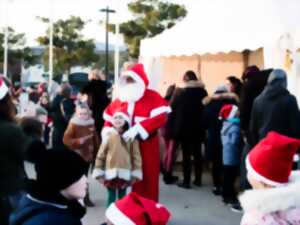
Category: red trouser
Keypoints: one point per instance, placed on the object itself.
(149, 186)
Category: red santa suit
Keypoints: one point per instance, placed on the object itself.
(147, 114)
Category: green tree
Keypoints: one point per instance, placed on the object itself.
(151, 17)
(70, 48)
(17, 52)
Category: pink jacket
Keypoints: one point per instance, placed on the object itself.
(277, 206)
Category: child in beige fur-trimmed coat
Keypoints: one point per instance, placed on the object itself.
(118, 162)
(275, 199)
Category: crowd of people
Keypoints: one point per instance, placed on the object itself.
(234, 132)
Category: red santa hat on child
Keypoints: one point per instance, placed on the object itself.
(122, 111)
(3, 89)
(271, 160)
(228, 111)
(137, 72)
(136, 210)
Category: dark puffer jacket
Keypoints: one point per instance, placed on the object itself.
(188, 111)
(13, 145)
(275, 109)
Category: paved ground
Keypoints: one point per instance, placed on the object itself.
(197, 206)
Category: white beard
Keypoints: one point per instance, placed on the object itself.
(130, 92)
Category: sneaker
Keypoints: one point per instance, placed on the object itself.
(217, 191)
(184, 185)
(236, 208)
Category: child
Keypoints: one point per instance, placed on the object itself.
(118, 163)
(231, 142)
(53, 197)
(136, 210)
(276, 198)
(81, 137)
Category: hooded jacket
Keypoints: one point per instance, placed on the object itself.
(275, 109)
(47, 209)
(276, 206)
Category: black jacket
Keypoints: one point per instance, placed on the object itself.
(212, 122)
(62, 109)
(274, 110)
(13, 144)
(97, 92)
(252, 87)
(188, 112)
(47, 209)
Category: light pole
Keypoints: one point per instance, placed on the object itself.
(107, 10)
(50, 64)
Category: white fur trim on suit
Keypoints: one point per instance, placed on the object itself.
(118, 173)
(141, 130)
(97, 173)
(3, 90)
(80, 122)
(134, 76)
(137, 174)
(160, 110)
(259, 177)
(273, 199)
(117, 217)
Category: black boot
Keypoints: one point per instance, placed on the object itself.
(169, 179)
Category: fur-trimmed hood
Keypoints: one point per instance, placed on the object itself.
(76, 120)
(272, 200)
(194, 84)
(220, 96)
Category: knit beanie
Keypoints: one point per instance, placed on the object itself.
(58, 169)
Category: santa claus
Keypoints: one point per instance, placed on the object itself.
(148, 112)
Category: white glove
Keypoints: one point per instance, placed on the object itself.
(130, 134)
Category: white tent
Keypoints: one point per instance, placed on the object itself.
(218, 26)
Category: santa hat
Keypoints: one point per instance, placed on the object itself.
(228, 111)
(121, 111)
(137, 72)
(136, 210)
(3, 89)
(271, 160)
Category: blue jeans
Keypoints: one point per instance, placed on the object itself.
(7, 205)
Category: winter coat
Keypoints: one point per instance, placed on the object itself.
(213, 105)
(63, 110)
(188, 112)
(36, 211)
(168, 129)
(274, 110)
(118, 159)
(77, 129)
(232, 142)
(276, 206)
(13, 144)
(252, 87)
(97, 92)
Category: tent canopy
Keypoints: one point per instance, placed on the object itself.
(223, 26)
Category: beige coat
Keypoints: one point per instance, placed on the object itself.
(77, 129)
(118, 159)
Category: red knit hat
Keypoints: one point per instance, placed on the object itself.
(3, 89)
(136, 210)
(228, 111)
(271, 160)
(137, 72)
